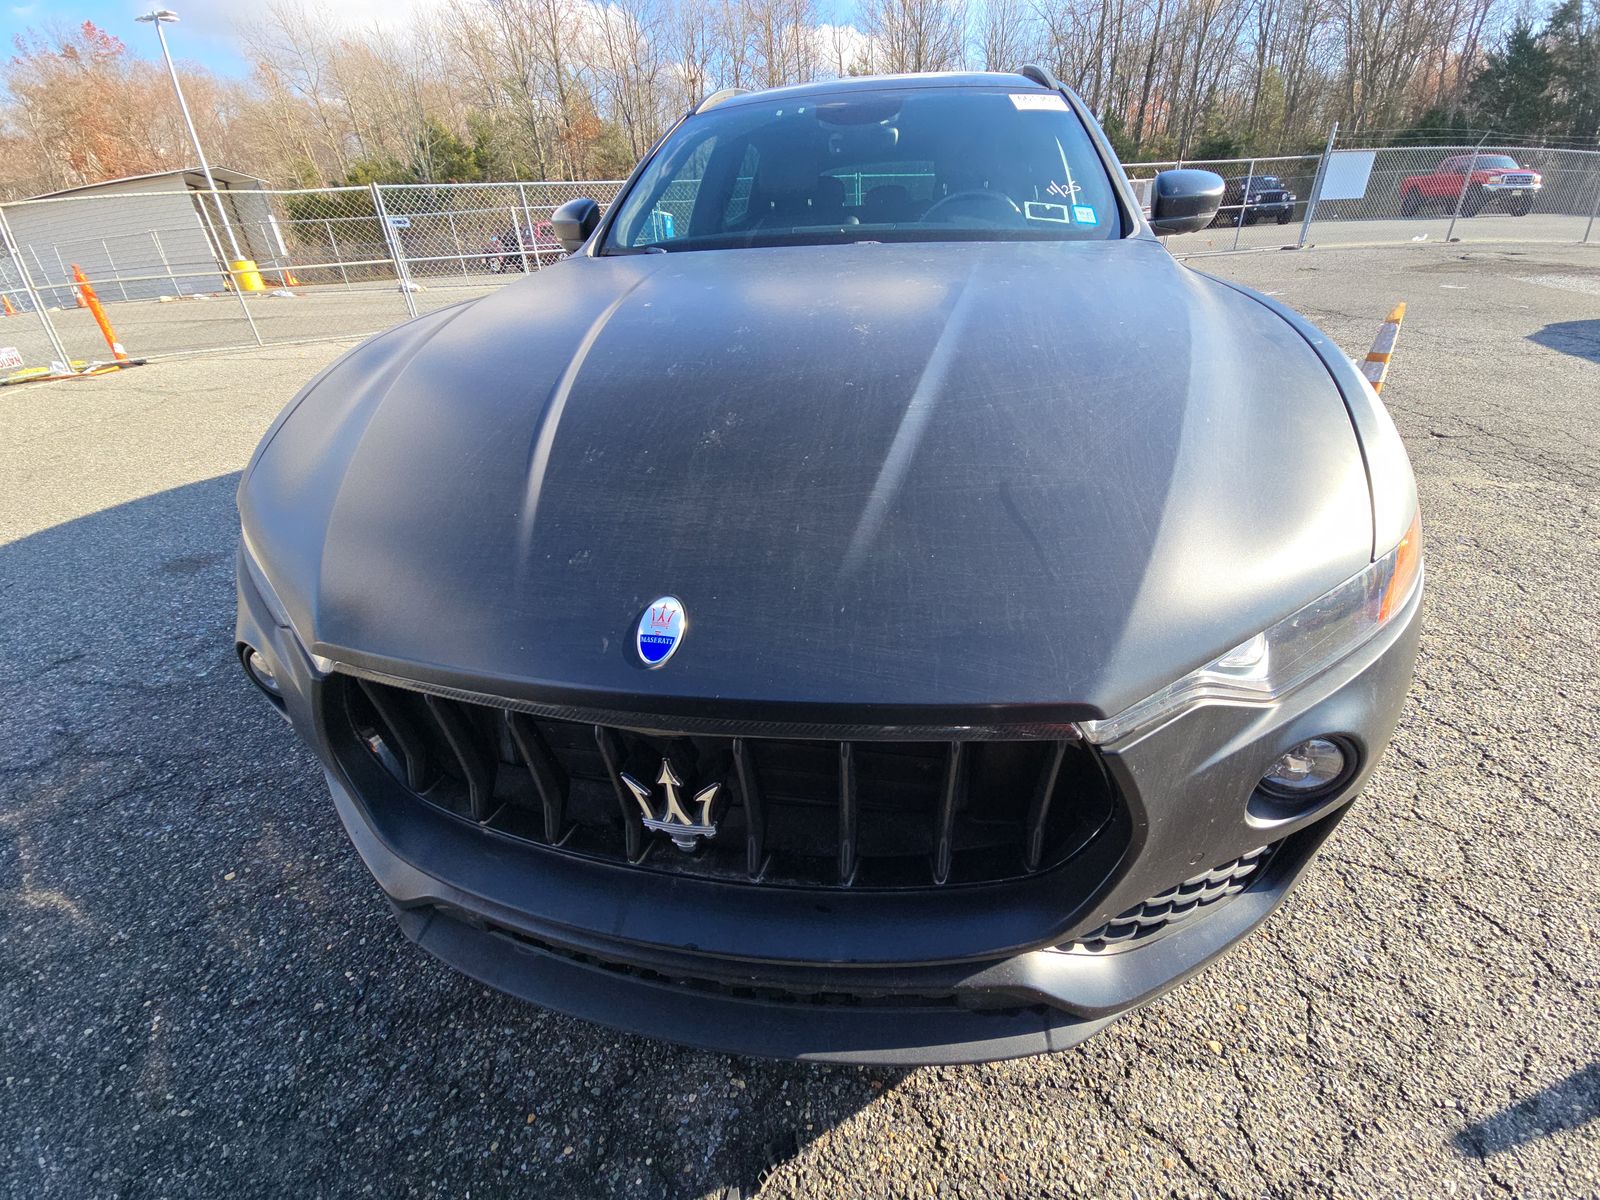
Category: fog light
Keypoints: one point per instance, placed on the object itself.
(260, 672)
(1314, 767)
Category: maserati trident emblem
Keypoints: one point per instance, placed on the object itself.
(661, 630)
(674, 821)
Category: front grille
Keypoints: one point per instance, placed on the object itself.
(1177, 904)
(859, 813)
(1517, 180)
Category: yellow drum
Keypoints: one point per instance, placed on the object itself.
(246, 275)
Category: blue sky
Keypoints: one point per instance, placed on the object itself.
(206, 32)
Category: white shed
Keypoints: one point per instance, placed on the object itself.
(144, 236)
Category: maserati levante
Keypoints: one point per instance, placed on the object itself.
(868, 603)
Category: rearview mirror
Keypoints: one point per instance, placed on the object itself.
(1183, 201)
(573, 222)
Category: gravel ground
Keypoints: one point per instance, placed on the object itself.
(201, 991)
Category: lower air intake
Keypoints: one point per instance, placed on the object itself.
(1178, 904)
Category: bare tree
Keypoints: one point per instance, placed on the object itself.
(1007, 34)
(295, 52)
(915, 35)
(548, 88)
(624, 52)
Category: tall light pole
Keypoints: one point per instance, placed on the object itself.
(158, 18)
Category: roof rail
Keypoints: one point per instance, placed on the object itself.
(718, 97)
(1041, 76)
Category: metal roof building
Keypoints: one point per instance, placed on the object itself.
(143, 236)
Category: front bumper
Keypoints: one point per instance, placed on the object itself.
(961, 974)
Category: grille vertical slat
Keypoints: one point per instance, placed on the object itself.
(478, 765)
(1039, 808)
(548, 779)
(632, 825)
(848, 814)
(755, 809)
(407, 739)
(949, 798)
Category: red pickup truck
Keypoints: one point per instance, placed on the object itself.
(1496, 179)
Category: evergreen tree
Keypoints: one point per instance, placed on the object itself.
(1513, 92)
(1573, 36)
(442, 157)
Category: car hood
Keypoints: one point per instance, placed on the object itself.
(926, 478)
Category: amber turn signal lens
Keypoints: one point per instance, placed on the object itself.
(1407, 562)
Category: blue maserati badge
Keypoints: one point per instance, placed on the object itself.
(661, 630)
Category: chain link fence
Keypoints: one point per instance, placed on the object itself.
(1398, 194)
(349, 261)
(1264, 201)
(328, 263)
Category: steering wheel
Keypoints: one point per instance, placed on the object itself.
(1004, 205)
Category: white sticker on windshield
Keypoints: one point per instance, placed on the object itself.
(1039, 101)
(1084, 215)
(1043, 210)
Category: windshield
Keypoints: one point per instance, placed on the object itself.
(1496, 162)
(894, 164)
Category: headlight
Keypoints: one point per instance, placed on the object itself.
(275, 606)
(1281, 658)
(264, 588)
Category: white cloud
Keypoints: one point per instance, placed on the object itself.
(840, 47)
(222, 18)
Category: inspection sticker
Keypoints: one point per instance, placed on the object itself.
(1043, 210)
(1084, 215)
(10, 356)
(1039, 101)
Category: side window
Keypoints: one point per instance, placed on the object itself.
(669, 216)
(1450, 166)
(738, 206)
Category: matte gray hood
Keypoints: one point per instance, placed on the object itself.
(934, 477)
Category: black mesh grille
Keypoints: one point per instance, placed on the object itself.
(800, 812)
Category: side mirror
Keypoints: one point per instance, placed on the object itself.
(1184, 201)
(573, 222)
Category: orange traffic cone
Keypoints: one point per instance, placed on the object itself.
(10, 311)
(87, 299)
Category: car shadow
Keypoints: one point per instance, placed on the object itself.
(1578, 338)
(243, 1012)
(1568, 1104)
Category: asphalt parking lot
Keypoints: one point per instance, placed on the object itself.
(201, 992)
(1396, 231)
(325, 306)
(151, 328)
